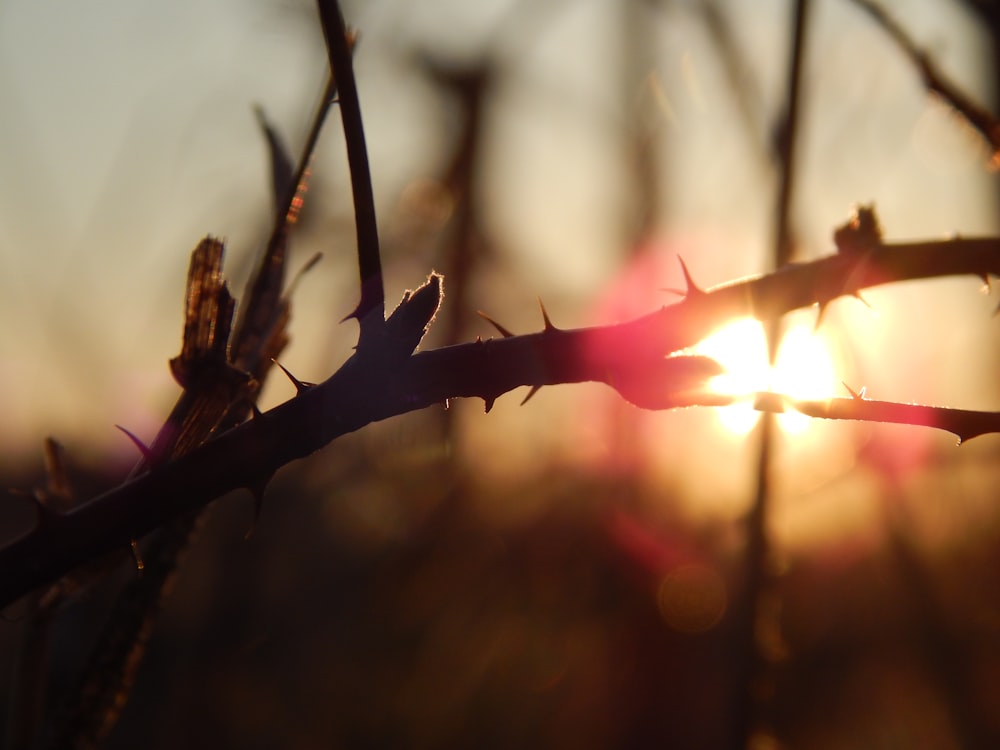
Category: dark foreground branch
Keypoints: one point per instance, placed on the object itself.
(383, 379)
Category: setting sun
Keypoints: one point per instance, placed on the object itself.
(804, 368)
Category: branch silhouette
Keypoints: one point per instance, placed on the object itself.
(384, 378)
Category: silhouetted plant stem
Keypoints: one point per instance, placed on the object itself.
(370, 311)
(206, 403)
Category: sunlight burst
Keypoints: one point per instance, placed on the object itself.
(804, 368)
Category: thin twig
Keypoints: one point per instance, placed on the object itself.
(370, 311)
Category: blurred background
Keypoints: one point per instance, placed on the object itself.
(573, 572)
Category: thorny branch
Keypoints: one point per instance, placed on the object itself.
(642, 359)
(384, 380)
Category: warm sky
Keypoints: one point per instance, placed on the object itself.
(127, 134)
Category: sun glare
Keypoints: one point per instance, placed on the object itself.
(804, 368)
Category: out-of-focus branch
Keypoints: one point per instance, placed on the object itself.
(979, 117)
(384, 380)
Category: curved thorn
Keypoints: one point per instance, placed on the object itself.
(488, 402)
(300, 385)
(693, 290)
(354, 314)
(545, 317)
(534, 389)
(145, 450)
(503, 331)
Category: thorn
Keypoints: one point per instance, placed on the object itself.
(534, 389)
(255, 412)
(862, 300)
(300, 385)
(354, 314)
(693, 290)
(145, 450)
(257, 491)
(857, 395)
(820, 313)
(503, 331)
(488, 402)
(545, 317)
(139, 564)
(986, 288)
(447, 404)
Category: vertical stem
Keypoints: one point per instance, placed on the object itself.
(371, 310)
(748, 659)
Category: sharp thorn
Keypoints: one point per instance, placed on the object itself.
(545, 317)
(534, 389)
(503, 331)
(300, 385)
(862, 300)
(693, 290)
(857, 395)
(144, 449)
(819, 314)
(354, 314)
(488, 403)
(257, 491)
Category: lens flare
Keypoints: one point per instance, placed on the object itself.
(804, 368)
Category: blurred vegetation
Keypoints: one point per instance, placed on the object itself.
(564, 574)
